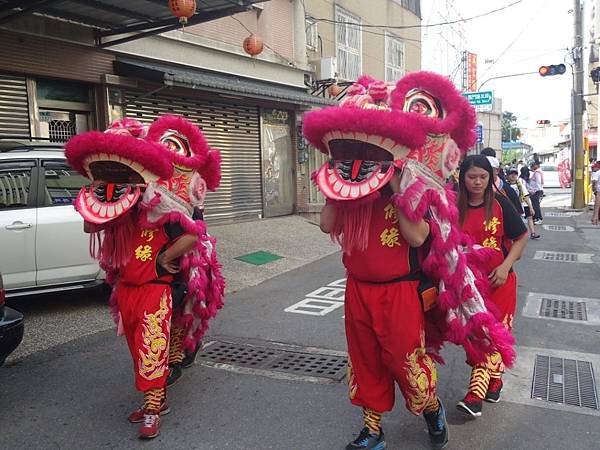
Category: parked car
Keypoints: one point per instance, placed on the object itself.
(44, 248)
(11, 327)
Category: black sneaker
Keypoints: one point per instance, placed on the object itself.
(471, 405)
(190, 358)
(494, 390)
(367, 440)
(175, 373)
(437, 427)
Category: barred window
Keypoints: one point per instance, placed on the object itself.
(312, 34)
(394, 58)
(348, 40)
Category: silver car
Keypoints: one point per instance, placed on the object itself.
(44, 248)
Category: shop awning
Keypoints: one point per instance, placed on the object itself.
(114, 18)
(219, 83)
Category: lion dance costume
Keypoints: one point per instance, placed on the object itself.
(146, 202)
(394, 326)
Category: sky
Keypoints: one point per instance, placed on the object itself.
(518, 39)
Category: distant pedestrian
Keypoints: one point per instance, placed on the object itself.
(501, 186)
(491, 221)
(595, 181)
(535, 186)
(518, 184)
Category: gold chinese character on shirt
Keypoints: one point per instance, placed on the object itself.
(148, 234)
(143, 253)
(390, 237)
(492, 225)
(390, 213)
(490, 242)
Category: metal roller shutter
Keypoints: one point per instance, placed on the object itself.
(232, 129)
(14, 106)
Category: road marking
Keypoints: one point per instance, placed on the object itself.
(321, 301)
(534, 300)
(518, 380)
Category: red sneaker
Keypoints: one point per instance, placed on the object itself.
(137, 416)
(494, 390)
(150, 427)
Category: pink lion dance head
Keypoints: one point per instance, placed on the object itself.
(378, 126)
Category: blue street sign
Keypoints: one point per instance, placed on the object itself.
(479, 132)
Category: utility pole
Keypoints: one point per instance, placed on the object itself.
(577, 152)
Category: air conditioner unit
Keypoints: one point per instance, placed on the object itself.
(328, 68)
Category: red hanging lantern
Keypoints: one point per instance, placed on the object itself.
(183, 9)
(253, 45)
(334, 90)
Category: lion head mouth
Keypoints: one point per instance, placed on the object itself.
(360, 164)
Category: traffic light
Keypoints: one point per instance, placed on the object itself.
(555, 69)
(543, 122)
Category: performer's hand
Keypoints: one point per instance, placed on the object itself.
(499, 275)
(169, 265)
(395, 182)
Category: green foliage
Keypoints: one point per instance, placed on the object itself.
(510, 132)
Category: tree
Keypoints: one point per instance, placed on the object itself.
(510, 132)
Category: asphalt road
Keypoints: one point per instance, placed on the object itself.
(78, 394)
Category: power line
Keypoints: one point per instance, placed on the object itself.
(404, 27)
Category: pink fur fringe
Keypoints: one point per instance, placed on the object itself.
(482, 334)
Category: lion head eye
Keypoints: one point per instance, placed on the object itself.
(177, 143)
(421, 102)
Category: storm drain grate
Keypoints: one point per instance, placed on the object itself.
(563, 257)
(291, 362)
(556, 214)
(315, 365)
(558, 228)
(563, 309)
(566, 381)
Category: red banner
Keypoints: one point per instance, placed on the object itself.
(472, 72)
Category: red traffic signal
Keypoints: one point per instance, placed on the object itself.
(555, 69)
(543, 122)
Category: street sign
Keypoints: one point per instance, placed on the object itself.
(481, 101)
(479, 132)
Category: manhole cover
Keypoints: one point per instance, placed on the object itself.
(563, 309)
(564, 257)
(567, 381)
(558, 228)
(285, 361)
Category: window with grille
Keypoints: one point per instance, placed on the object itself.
(312, 34)
(14, 186)
(62, 184)
(394, 58)
(348, 42)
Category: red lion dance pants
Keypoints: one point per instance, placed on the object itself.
(146, 314)
(385, 334)
(504, 299)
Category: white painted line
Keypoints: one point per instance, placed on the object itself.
(517, 381)
(328, 293)
(545, 255)
(314, 307)
(534, 301)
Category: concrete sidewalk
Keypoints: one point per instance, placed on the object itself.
(298, 240)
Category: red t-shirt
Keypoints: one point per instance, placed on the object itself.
(388, 255)
(504, 226)
(145, 245)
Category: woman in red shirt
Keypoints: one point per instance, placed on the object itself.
(491, 221)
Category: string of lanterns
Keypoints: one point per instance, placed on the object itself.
(184, 9)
